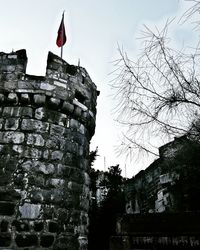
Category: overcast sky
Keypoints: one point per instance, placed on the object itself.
(94, 30)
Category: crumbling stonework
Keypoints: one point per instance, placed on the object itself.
(162, 204)
(157, 231)
(46, 124)
(166, 185)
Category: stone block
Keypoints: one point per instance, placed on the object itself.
(7, 194)
(47, 86)
(40, 113)
(20, 226)
(56, 130)
(65, 242)
(84, 164)
(10, 76)
(14, 137)
(18, 149)
(35, 139)
(34, 125)
(71, 147)
(83, 243)
(10, 85)
(62, 119)
(24, 85)
(36, 180)
(81, 229)
(77, 188)
(55, 182)
(78, 111)
(67, 107)
(79, 138)
(7, 208)
(46, 154)
(11, 124)
(10, 68)
(73, 174)
(56, 196)
(84, 218)
(18, 112)
(84, 204)
(1, 123)
(39, 99)
(57, 155)
(53, 142)
(47, 169)
(13, 98)
(40, 196)
(32, 153)
(26, 112)
(26, 240)
(30, 211)
(82, 129)
(2, 98)
(63, 95)
(25, 98)
(74, 124)
(48, 212)
(87, 178)
(54, 102)
(60, 84)
(27, 165)
(81, 151)
(11, 111)
(63, 170)
(12, 56)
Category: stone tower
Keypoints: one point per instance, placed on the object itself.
(46, 124)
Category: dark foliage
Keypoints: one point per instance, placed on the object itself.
(92, 156)
(103, 217)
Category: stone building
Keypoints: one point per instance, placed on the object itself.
(162, 202)
(166, 185)
(46, 123)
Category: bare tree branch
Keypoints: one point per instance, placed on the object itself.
(158, 93)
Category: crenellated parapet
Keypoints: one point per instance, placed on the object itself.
(46, 123)
(65, 88)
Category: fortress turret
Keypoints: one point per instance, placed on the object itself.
(46, 124)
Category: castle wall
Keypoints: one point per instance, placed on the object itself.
(46, 124)
(162, 210)
(158, 231)
(165, 186)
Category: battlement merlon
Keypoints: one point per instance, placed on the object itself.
(65, 87)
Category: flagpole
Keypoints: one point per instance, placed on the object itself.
(61, 38)
(61, 52)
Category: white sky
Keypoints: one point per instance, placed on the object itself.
(94, 28)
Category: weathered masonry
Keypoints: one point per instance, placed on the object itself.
(163, 206)
(46, 124)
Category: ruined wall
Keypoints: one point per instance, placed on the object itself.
(156, 231)
(162, 202)
(170, 183)
(46, 124)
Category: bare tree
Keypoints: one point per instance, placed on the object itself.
(192, 13)
(158, 93)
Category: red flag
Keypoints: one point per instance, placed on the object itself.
(61, 38)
